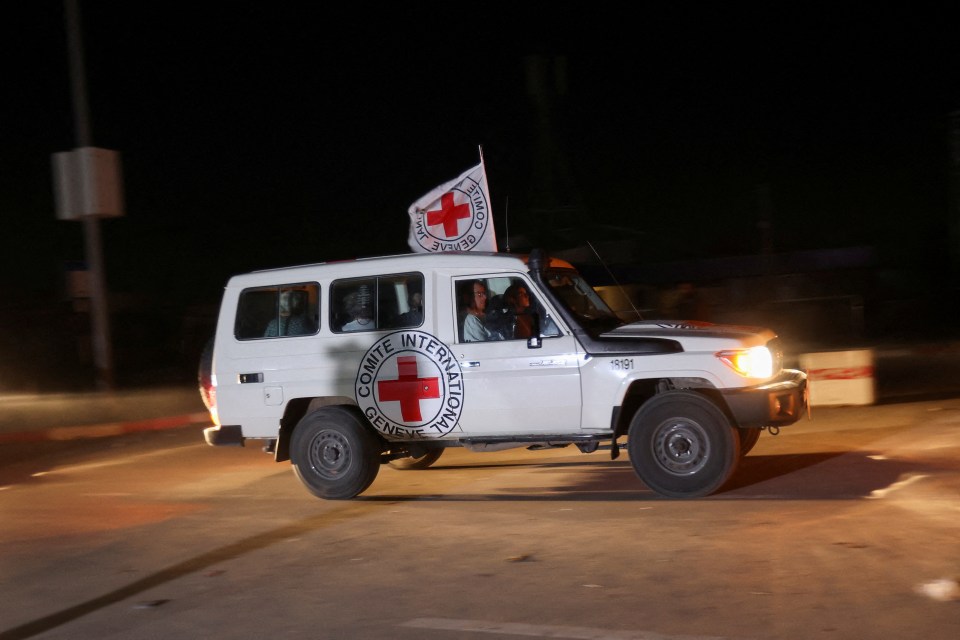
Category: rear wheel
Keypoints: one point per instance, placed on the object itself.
(334, 453)
(681, 445)
(412, 463)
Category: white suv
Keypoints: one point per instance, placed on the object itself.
(338, 368)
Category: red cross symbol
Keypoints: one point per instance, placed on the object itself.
(408, 389)
(448, 214)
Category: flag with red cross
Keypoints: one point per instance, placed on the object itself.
(454, 216)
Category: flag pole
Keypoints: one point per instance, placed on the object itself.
(506, 222)
(493, 228)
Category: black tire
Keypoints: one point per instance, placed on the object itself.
(682, 446)
(421, 462)
(748, 439)
(334, 453)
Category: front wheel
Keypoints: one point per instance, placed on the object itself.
(682, 446)
(334, 453)
(748, 439)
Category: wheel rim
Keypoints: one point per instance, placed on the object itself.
(680, 446)
(330, 454)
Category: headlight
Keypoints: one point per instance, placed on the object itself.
(755, 362)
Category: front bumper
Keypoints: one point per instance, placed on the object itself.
(224, 436)
(777, 403)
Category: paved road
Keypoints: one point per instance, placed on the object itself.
(830, 530)
(34, 417)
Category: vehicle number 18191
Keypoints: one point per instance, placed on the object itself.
(621, 364)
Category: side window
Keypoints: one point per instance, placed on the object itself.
(407, 301)
(380, 302)
(500, 308)
(279, 311)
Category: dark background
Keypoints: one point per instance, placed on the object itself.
(256, 135)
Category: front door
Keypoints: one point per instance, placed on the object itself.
(509, 385)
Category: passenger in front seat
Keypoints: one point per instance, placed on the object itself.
(474, 300)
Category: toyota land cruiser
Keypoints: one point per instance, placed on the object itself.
(335, 367)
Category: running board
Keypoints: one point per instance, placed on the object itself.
(587, 443)
(565, 438)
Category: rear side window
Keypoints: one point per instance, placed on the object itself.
(377, 302)
(278, 311)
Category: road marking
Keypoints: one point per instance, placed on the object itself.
(118, 461)
(544, 631)
(197, 564)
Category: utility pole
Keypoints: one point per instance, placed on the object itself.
(99, 316)
(954, 205)
(553, 190)
(765, 226)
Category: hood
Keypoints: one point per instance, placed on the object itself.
(687, 329)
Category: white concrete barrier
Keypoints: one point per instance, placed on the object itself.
(840, 377)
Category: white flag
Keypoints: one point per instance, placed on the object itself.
(454, 216)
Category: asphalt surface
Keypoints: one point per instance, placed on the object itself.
(63, 416)
(900, 373)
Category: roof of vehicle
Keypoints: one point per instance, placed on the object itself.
(466, 260)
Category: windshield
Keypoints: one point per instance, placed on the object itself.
(579, 297)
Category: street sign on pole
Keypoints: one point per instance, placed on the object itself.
(87, 182)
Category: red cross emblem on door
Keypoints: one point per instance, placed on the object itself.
(408, 389)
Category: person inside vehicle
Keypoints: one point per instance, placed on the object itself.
(291, 319)
(474, 300)
(518, 301)
(414, 316)
(358, 306)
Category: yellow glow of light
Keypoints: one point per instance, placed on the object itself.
(755, 362)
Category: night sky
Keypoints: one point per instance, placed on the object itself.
(264, 134)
